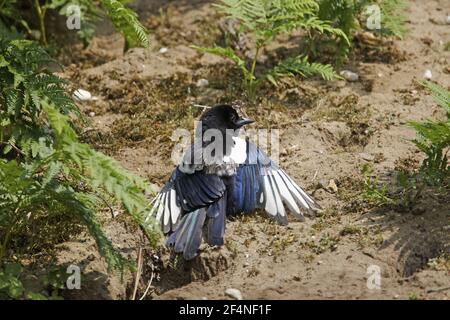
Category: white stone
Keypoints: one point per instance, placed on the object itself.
(349, 75)
(82, 95)
(234, 293)
(202, 83)
(428, 75)
(163, 50)
(92, 114)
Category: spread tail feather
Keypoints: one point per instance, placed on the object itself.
(187, 237)
(216, 224)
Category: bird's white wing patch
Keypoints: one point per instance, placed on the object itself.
(165, 209)
(166, 213)
(286, 194)
(174, 208)
(161, 205)
(279, 188)
(276, 192)
(269, 199)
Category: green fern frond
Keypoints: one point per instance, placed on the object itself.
(300, 66)
(433, 138)
(393, 18)
(350, 16)
(99, 170)
(51, 171)
(227, 53)
(441, 95)
(76, 202)
(265, 19)
(127, 22)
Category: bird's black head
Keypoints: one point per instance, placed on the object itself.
(223, 117)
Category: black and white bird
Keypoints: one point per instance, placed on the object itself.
(201, 192)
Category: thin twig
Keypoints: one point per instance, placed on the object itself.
(12, 145)
(105, 202)
(201, 106)
(138, 273)
(315, 175)
(148, 286)
(438, 289)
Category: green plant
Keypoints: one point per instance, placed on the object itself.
(402, 193)
(127, 22)
(11, 15)
(124, 19)
(373, 190)
(24, 84)
(10, 285)
(351, 15)
(433, 138)
(264, 20)
(90, 13)
(393, 17)
(45, 169)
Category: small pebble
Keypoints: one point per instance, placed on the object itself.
(201, 83)
(91, 114)
(163, 50)
(448, 19)
(82, 95)
(428, 75)
(332, 186)
(367, 157)
(349, 75)
(234, 293)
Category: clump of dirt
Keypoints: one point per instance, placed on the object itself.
(347, 110)
(376, 49)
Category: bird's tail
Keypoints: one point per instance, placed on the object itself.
(187, 237)
(216, 223)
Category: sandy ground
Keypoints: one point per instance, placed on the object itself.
(329, 130)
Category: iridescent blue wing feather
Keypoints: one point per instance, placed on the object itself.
(260, 183)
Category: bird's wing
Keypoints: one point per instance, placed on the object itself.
(184, 193)
(260, 183)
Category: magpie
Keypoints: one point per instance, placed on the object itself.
(212, 183)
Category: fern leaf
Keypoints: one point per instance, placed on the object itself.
(127, 22)
(227, 53)
(300, 66)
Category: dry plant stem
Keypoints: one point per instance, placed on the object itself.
(148, 287)
(251, 84)
(138, 273)
(438, 289)
(8, 233)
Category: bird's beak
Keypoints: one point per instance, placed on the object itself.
(243, 121)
